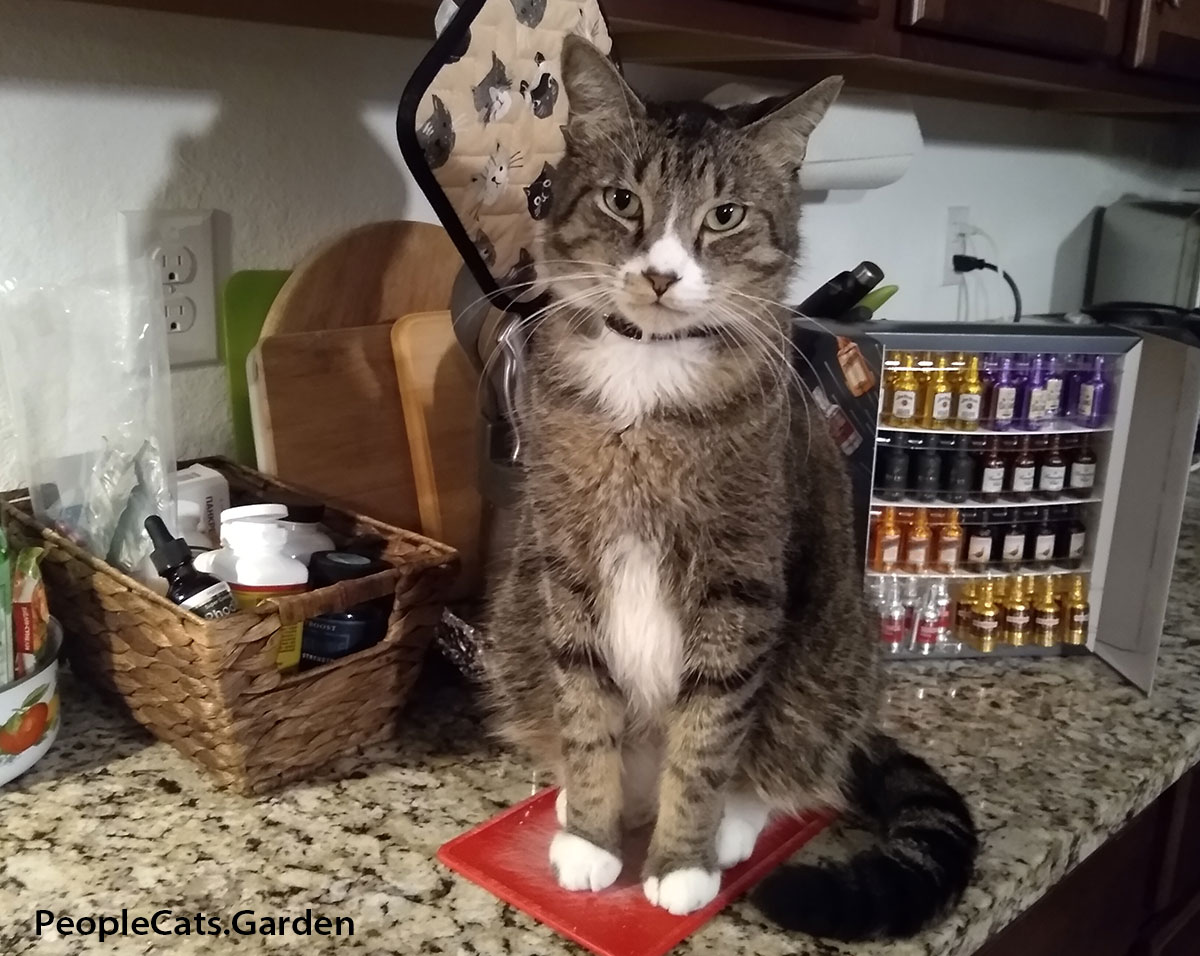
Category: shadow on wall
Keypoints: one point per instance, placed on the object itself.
(996, 127)
(287, 157)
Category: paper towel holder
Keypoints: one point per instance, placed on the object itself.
(865, 141)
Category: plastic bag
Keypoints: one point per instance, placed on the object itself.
(87, 373)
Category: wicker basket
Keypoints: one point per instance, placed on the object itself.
(211, 688)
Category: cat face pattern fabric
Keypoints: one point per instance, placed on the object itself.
(490, 127)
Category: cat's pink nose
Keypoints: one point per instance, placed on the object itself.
(660, 282)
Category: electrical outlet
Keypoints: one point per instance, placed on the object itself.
(958, 221)
(180, 245)
(176, 264)
(180, 314)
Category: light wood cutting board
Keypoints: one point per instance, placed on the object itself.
(327, 415)
(438, 388)
(375, 273)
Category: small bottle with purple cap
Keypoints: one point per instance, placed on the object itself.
(1005, 403)
(1091, 409)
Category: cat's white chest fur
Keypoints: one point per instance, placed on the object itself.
(644, 644)
(632, 378)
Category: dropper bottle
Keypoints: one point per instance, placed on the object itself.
(202, 594)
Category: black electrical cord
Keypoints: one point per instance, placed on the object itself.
(964, 264)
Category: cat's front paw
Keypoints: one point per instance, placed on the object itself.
(682, 891)
(741, 824)
(581, 865)
(735, 842)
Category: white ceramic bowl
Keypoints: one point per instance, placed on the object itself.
(29, 716)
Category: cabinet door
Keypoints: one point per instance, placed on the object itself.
(1100, 907)
(1066, 28)
(852, 9)
(1183, 938)
(1166, 37)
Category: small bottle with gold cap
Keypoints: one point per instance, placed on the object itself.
(918, 543)
(937, 407)
(1000, 590)
(949, 542)
(888, 538)
(968, 408)
(906, 388)
(958, 366)
(1047, 619)
(1076, 612)
(968, 594)
(985, 618)
(1017, 616)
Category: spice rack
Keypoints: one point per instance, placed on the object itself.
(1142, 439)
(987, 497)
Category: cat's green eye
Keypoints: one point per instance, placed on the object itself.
(724, 217)
(622, 202)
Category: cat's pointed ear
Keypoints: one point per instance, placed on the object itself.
(783, 133)
(596, 92)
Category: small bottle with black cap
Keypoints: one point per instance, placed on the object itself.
(202, 594)
(303, 526)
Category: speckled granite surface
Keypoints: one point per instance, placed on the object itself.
(1055, 756)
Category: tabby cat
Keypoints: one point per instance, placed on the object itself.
(681, 634)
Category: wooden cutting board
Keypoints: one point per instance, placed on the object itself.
(322, 382)
(327, 415)
(375, 273)
(438, 387)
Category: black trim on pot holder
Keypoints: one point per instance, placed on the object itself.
(440, 55)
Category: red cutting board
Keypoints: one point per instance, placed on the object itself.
(509, 856)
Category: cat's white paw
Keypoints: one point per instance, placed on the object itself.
(581, 865)
(683, 891)
(560, 807)
(741, 824)
(735, 841)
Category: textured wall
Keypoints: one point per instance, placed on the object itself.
(289, 134)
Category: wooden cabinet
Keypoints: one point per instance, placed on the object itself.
(1101, 907)
(1118, 56)
(1138, 895)
(851, 9)
(1165, 37)
(1070, 28)
(1183, 938)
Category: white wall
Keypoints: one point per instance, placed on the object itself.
(289, 133)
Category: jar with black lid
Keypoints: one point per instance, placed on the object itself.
(330, 636)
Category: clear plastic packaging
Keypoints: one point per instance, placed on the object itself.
(87, 373)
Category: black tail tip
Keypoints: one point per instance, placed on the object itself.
(798, 898)
(873, 897)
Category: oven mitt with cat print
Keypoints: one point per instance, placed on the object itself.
(480, 127)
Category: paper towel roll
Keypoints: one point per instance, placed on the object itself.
(865, 141)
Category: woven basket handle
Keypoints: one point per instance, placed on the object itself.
(331, 599)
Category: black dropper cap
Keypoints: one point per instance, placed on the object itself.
(168, 552)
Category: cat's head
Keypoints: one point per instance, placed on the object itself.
(678, 215)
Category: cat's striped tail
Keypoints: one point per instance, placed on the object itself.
(918, 869)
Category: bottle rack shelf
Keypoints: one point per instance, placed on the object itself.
(995, 571)
(955, 650)
(972, 505)
(1064, 428)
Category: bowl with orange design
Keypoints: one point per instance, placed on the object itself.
(29, 716)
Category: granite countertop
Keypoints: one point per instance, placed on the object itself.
(1054, 756)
